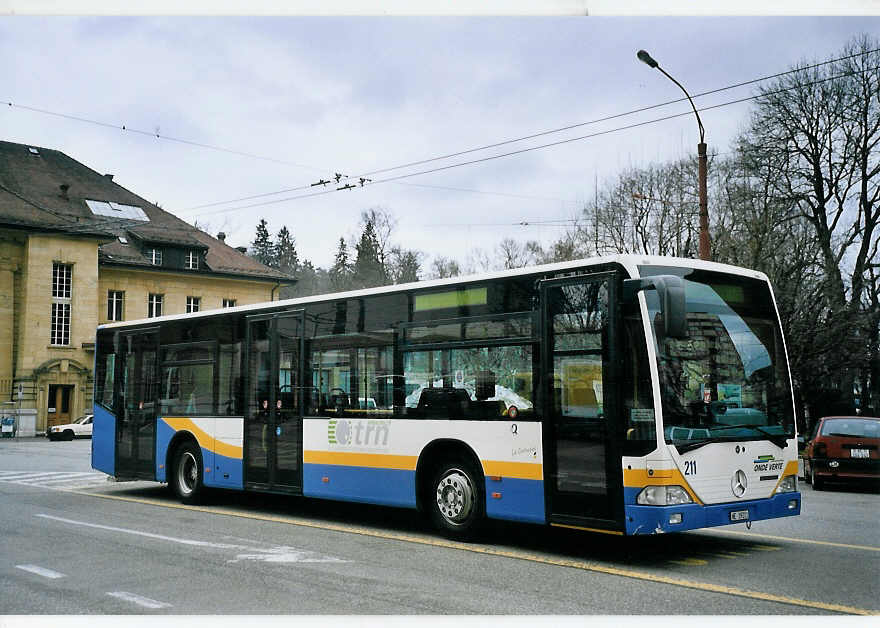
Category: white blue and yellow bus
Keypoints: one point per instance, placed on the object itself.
(625, 395)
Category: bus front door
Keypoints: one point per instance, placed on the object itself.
(582, 471)
(273, 425)
(136, 425)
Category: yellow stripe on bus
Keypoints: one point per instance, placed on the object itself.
(205, 440)
(518, 470)
(352, 459)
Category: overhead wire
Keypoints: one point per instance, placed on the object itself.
(538, 147)
(158, 135)
(551, 131)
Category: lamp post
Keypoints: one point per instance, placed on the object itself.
(701, 153)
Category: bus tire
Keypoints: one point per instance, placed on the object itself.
(186, 477)
(455, 501)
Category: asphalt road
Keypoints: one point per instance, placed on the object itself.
(73, 543)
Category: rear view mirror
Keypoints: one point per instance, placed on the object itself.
(670, 290)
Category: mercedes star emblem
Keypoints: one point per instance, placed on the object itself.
(739, 483)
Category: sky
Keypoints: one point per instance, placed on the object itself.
(249, 106)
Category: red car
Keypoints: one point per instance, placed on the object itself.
(843, 448)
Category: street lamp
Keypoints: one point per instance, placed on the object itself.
(701, 152)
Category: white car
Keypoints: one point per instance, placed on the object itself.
(81, 428)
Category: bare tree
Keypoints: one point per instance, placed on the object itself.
(815, 133)
(443, 267)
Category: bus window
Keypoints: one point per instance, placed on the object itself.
(351, 381)
(486, 382)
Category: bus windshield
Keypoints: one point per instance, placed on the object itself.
(728, 380)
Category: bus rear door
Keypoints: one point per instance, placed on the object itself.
(136, 424)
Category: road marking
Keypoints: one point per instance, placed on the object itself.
(491, 551)
(690, 562)
(754, 535)
(766, 548)
(54, 480)
(273, 554)
(41, 571)
(138, 599)
(31, 475)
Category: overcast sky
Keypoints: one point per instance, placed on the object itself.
(307, 97)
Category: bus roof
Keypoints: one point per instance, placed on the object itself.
(629, 261)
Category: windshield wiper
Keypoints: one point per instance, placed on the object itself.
(777, 439)
(696, 444)
(780, 440)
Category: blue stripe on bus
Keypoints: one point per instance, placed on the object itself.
(387, 487)
(104, 440)
(654, 519)
(520, 500)
(225, 466)
(164, 434)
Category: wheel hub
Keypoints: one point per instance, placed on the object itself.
(188, 472)
(455, 496)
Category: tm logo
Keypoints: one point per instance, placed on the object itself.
(363, 433)
(338, 432)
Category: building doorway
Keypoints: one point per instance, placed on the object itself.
(59, 402)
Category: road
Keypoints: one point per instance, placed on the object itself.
(74, 543)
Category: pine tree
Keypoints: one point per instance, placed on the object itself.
(340, 272)
(369, 271)
(262, 248)
(286, 256)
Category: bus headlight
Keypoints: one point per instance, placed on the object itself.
(663, 496)
(788, 484)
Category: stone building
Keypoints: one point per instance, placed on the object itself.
(78, 250)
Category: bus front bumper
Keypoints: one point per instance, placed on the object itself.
(661, 519)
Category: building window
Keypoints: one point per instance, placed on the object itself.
(62, 281)
(155, 256)
(192, 260)
(154, 305)
(115, 299)
(193, 304)
(228, 302)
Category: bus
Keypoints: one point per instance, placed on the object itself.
(623, 395)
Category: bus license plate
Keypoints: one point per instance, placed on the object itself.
(739, 515)
(859, 453)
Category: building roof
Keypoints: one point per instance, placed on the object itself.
(45, 190)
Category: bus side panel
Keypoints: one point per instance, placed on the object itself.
(104, 441)
(383, 486)
(515, 499)
(228, 469)
(220, 441)
(375, 460)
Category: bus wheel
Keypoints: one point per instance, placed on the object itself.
(456, 502)
(186, 473)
